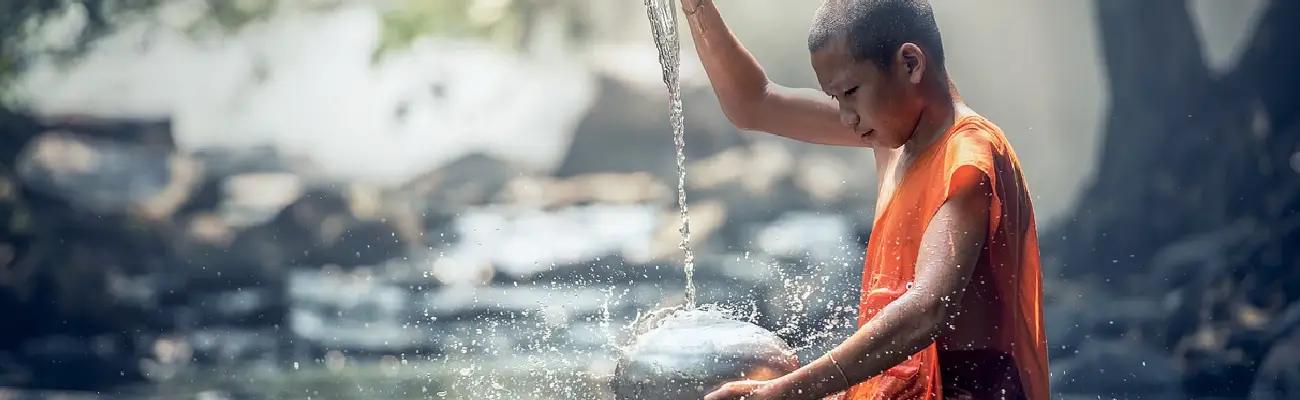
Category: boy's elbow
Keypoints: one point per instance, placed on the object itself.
(744, 109)
(742, 115)
(935, 312)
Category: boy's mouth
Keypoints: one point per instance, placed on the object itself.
(867, 134)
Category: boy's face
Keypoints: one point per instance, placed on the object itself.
(881, 105)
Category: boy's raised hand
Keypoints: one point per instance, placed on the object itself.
(691, 6)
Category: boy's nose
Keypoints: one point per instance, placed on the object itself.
(849, 118)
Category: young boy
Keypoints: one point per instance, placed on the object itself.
(951, 292)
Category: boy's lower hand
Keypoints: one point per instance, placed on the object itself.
(744, 390)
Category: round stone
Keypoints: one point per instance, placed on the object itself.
(688, 353)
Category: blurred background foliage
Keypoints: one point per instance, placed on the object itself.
(404, 21)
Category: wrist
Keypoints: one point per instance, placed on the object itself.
(783, 387)
(823, 377)
(839, 370)
(691, 11)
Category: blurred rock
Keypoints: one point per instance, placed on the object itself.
(319, 228)
(1116, 369)
(1279, 373)
(752, 181)
(255, 198)
(1065, 331)
(470, 181)
(83, 210)
(627, 131)
(606, 188)
(154, 133)
(761, 181)
(106, 176)
(65, 362)
(227, 161)
(92, 246)
(707, 219)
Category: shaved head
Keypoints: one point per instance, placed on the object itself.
(874, 30)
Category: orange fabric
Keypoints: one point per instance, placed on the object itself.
(1011, 252)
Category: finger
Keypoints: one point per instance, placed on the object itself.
(734, 390)
(721, 394)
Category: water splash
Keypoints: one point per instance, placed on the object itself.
(538, 359)
(663, 25)
(806, 307)
(666, 315)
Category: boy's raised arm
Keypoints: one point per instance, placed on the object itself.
(749, 99)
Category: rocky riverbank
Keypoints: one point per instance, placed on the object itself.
(130, 261)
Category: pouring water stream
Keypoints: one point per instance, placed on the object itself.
(663, 25)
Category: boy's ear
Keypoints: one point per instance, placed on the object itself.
(911, 61)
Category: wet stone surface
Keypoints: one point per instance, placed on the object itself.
(689, 353)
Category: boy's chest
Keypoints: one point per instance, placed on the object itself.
(900, 220)
(891, 180)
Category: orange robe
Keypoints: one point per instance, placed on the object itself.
(1011, 253)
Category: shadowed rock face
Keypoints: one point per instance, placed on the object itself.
(691, 353)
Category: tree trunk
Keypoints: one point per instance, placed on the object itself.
(1187, 156)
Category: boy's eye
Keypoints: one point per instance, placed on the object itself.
(851, 91)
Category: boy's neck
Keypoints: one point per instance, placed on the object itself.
(938, 114)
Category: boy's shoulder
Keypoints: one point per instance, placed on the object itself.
(974, 126)
(976, 136)
(976, 141)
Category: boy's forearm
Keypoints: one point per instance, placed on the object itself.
(738, 80)
(901, 329)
